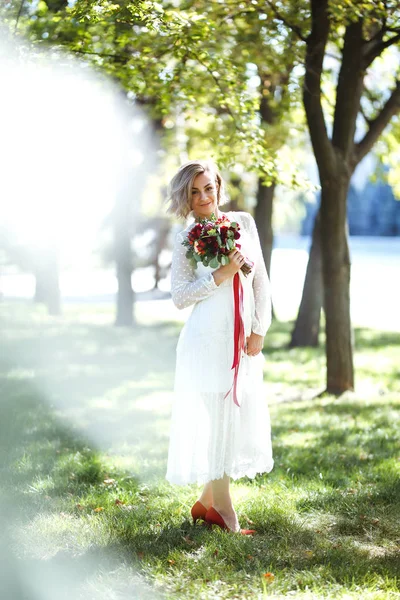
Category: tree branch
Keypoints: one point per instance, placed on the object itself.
(393, 29)
(291, 26)
(376, 48)
(316, 44)
(210, 71)
(349, 89)
(390, 108)
(366, 119)
(18, 15)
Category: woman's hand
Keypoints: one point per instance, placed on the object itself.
(236, 261)
(254, 344)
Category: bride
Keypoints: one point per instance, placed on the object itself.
(219, 430)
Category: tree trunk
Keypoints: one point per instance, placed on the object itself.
(336, 277)
(125, 294)
(306, 329)
(263, 218)
(130, 182)
(160, 243)
(40, 288)
(47, 288)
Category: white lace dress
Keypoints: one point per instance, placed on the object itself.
(210, 435)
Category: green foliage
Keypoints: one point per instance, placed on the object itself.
(225, 76)
(169, 58)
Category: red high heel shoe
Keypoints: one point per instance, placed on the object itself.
(214, 518)
(198, 512)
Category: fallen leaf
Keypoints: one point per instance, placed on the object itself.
(171, 561)
(80, 506)
(375, 521)
(109, 481)
(269, 576)
(98, 509)
(250, 557)
(140, 555)
(309, 553)
(215, 553)
(119, 502)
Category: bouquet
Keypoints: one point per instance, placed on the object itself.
(211, 240)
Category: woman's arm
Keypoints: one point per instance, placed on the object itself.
(185, 288)
(261, 284)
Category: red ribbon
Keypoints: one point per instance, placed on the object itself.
(238, 333)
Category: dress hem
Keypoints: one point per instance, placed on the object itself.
(250, 473)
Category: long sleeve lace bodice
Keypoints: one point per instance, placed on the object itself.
(187, 289)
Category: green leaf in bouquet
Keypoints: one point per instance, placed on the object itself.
(219, 240)
(230, 234)
(214, 262)
(189, 254)
(230, 243)
(234, 225)
(224, 260)
(197, 257)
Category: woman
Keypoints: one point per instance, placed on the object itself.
(212, 438)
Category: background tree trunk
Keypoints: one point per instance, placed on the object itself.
(263, 218)
(125, 294)
(336, 277)
(307, 326)
(47, 288)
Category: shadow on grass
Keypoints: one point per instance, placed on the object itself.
(101, 384)
(66, 391)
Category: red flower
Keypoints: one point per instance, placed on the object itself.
(212, 243)
(224, 233)
(195, 233)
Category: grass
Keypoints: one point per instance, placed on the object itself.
(86, 512)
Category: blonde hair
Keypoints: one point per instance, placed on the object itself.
(180, 187)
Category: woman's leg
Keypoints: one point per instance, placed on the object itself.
(222, 502)
(206, 497)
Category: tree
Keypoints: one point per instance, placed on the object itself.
(41, 261)
(362, 31)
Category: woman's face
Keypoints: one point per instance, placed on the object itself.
(204, 195)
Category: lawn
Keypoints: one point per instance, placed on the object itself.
(86, 513)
